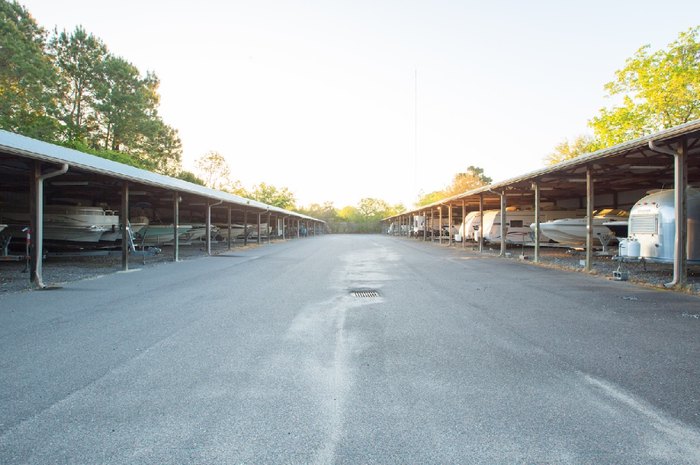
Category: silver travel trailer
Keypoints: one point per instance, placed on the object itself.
(652, 227)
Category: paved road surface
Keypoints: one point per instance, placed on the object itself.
(264, 356)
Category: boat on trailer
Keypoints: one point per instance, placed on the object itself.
(572, 232)
(67, 223)
(518, 225)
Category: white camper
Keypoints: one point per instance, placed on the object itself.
(418, 225)
(652, 227)
(470, 226)
(518, 224)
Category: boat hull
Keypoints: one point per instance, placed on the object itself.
(573, 231)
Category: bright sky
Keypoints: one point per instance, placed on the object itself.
(320, 96)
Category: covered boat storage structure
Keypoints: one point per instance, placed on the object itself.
(611, 178)
(32, 171)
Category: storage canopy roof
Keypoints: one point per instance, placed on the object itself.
(16, 149)
(625, 167)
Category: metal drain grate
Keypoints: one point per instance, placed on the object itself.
(364, 293)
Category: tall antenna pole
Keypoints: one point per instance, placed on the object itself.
(415, 131)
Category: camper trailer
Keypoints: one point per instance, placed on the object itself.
(470, 226)
(418, 225)
(518, 224)
(652, 227)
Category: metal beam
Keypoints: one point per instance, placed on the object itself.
(481, 223)
(269, 227)
(126, 227)
(176, 224)
(536, 188)
(464, 218)
(37, 271)
(245, 227)
(230, 229)
(449, 224)
(504, 224)
(589, 218)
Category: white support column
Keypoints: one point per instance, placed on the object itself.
(124, 220)
(536, 188)
(589, 219)
(504, 223)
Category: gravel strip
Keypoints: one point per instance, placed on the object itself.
(604, 265)
(14, 275)
(58, 270)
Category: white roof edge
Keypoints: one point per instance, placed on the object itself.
(27, 147)
(641, 142)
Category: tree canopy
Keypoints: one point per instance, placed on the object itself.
(28, 77)
(67, 88)
(472, 178)
(654, 91)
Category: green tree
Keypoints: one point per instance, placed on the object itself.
(472, 178)
(659, 90)
(325, 212)
(214, 170)
(568, 150)
(189, 177)
(162, 148)
(372, 209)
(125, 104)
(27, 75)
(79, 57)
(271, 195)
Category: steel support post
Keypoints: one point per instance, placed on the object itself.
(36, 223)
(259, 228)
(680, 253)
(229, 227)
(481, 223)
(589, 218)
(536, 188)
(245, 227)
(425, 225)
(269, 227)
(449, 225)
(126, 227)
(176, 224)
(440, 219)
(504, 223)
(462, 228)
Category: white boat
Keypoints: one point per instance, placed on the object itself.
(237, 230)
(2, 226)
(136, 224)
(518, 225)
(198, 232)
(69, 223)
(160, 234)
(572, 231)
